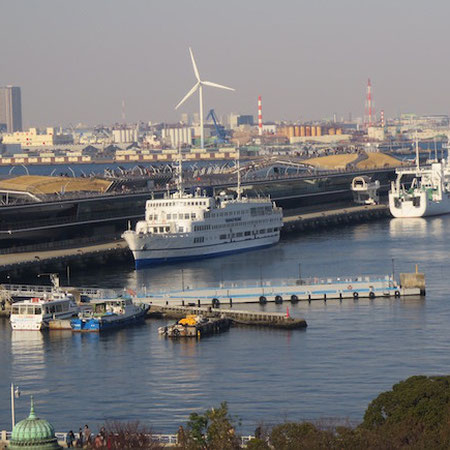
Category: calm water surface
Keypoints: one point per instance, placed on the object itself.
(350, 352)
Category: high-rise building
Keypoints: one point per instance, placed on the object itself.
(10, 109)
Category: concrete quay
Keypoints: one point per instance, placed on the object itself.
(334, 218)
(57, 260)
(93, 254)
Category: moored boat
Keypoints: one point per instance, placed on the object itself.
(36, 313)
(191, 226)
(107, 314)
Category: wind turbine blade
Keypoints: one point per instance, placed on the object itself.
(188, 95)
(197, 75)
(209, 83)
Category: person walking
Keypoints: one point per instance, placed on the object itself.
(87, 435)
(79, 443)
(70, 439)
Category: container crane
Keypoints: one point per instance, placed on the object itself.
(219, 128)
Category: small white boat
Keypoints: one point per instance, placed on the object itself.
(36, 313)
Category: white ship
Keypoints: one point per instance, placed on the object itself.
(185, 227)
(428, 195)
(429, 192)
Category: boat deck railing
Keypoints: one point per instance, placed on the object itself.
(24, 290)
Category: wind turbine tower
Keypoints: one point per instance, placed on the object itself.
(199, 86)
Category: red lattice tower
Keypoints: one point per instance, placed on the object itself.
(369, 112)
(260, 116)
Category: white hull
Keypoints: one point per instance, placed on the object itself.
(36, 323)
(420, 208)
(179, 248)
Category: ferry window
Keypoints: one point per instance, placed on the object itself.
(186, 216)
(52, 309)
(161, 229)
(58, 308)
(192, 215)
(262, 231)
(37, 310)
(30, 310)
(247, 233)
(167, 229)
(238, 235)
(223, 236)
(15, 310)
(269, 230)
(181, 229)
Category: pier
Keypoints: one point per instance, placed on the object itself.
(238, 317)
(291, 290)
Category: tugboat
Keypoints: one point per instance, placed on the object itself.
(109, 314)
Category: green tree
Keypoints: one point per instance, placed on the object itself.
(419, 399)
(213, 430)
(300, 436)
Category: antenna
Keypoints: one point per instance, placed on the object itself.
(417, 152)
(260, 124)
(180, 170)
(369, 116)
(123, 112)
(238, 174)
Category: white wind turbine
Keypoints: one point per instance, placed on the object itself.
(199, 85)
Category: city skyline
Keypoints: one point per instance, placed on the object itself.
(308, 61)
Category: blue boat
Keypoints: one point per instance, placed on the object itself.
(108, 314)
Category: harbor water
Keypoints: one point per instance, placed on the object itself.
(351, 351)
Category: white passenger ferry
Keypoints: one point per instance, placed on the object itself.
(36, 313)
(185, 226)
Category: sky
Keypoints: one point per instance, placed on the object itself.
(76, 61)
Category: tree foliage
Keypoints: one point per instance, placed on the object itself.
(213, 430)
(418, 399)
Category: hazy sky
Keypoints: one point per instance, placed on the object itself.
(76, 60)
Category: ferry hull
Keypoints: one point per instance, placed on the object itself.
(144, 258)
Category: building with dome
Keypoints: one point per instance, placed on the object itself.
(33, 433)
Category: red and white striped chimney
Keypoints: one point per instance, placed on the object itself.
(259, 116)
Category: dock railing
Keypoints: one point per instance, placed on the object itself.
(168, 439)
(257, 283)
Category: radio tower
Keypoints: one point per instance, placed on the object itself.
(370, 112)
(259, 116)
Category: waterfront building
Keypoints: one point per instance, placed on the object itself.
(246, 119)
(125, 135)
(10, 109)
(33, 433)
(176, 136)
(35, 138)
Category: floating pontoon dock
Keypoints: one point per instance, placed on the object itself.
(412, 284)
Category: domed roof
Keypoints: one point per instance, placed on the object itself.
(33, 433)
